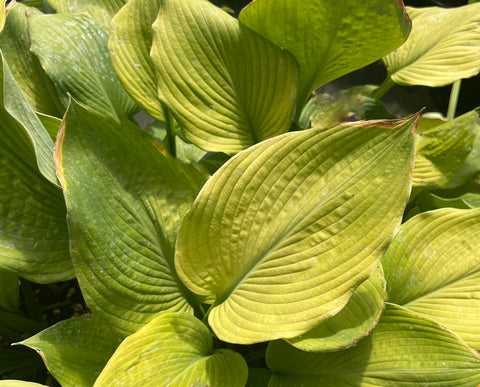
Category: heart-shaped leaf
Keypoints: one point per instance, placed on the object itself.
(352, 323)
(125, 202)
(433, 267)
(403, 350)
(77, 60)
(227, 87)
(175, 349)
(444, 46)
(329, 38)
(76, 350)
(285, 231)
(33, 230)
(129, 44)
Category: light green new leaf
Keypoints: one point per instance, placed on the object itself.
(442, 148)
(101, 11)
(174, 350)
(444, 46)
(403, 350)
(227, 87)
(76, 350)
(24, 65)
(284, 232)
(353, 322)
(125, 202)
(73, 52)
(33, 230)
(3, 14)
(433, 267)
(329, 38)
(129, 44)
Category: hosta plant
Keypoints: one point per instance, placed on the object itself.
(253, 232)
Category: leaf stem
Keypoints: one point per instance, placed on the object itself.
(452, 104)
(170, 138)
(383, 88)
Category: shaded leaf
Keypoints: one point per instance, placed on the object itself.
(403, 350)
(9, 291)
(76, 350)
(327, 37)
(428, 201)
(433, 267)
(227, 87)
(285, 231)
(444, 46)
(125, 201)
(174, 349)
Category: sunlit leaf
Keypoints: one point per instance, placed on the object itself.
(227, 87)
(125, 202)
(433, 267)
(76, 350)
(403, 350)
(329, 38)
(444, 46)
(285, 231)
(19, 383)
(175, 349)
(3, 14)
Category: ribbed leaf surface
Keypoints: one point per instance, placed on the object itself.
(433, 267)
(227, 87)
(175, 349)
(329, 38)
(285, 231)
(129, 44)
(76, 350)
(125, 201)
(403, 350)
(444, 46)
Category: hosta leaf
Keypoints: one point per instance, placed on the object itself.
(352, 323)
(433, 267)
(227, 87)
(33, 230)
(100, 10)
(442, 148)
(428, 201)
(76, 350)
(125, 201)
(403, 350)
(19, 383)
(25, 67)
(9, 291)
(129, 44)
(329, 38)
(444, 46)
(73, 51)
(285, 231)
(175, 349)
(51, 124)
(3, 14)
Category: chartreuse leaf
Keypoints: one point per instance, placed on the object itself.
(76, 350)
(125, 202)
(129, 44)
(353, 322)
(442, 148)
(73, 52)
(285, 231)
(227, 87)
(329, 38)
(101, 11)
(3, 14)
(444, 46)
(432, 268)
(174, 349)
(404, 349)
(33, 230)
(24, 65)
(19, 383)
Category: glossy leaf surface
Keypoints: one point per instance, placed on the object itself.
(403, 350)
(327, 37)
(444, 46)
(227, 87)
(285, 231)
(432, 267)
(125, 201)
(175, 349)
